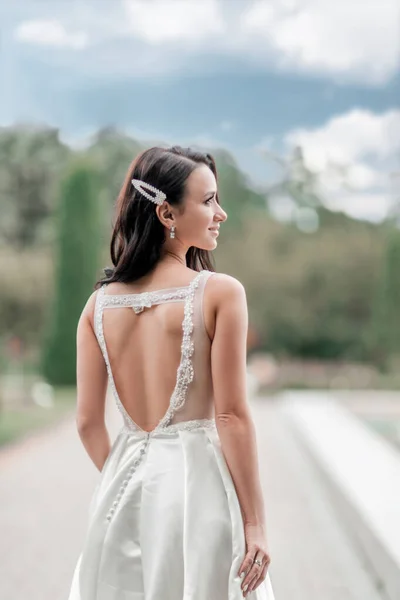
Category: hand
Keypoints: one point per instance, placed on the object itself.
(256, 547)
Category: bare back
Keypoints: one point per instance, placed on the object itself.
(158, 354)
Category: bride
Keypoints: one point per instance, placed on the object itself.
(178, 511)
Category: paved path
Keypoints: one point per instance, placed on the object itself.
(313, 556)
(46, 484)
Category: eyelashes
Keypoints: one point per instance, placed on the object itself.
(210, 199)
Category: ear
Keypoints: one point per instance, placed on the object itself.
(165, 214)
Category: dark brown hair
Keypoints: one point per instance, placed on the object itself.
(138, 234)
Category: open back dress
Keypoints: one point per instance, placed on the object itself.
(164, 520)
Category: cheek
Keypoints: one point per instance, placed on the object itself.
(201, 217)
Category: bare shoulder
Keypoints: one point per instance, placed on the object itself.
(88, 310)
(223, 292)
(223, 287)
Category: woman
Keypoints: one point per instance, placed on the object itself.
(178, 512)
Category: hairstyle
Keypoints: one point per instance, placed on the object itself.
(138, 234)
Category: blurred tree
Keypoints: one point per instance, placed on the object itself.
(385, 338)
(304, 187)
(77, 261)
(384, 333)
(31, 160)
(237, 195)
(308, 295)
(298, 181)
(113, 151)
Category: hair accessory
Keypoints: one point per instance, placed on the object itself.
(159, 195)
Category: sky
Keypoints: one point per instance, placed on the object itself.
(256, 77)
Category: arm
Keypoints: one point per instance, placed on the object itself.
(232, 413)
(91, 379)
(234, 422)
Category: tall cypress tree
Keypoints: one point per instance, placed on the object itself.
(386, 313)
(77, 255)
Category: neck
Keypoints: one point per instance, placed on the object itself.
(173, 258)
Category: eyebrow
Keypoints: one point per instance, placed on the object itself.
(212, 193)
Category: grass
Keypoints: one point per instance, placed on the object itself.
(16, 424)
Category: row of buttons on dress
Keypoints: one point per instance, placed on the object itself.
(125, 482)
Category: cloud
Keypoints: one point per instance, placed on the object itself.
(371, 207)
(355, 156)
(349, 137)
(50, 33)
(161, 21)
(341, 39)
(346, 42)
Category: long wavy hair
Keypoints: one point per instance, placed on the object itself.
(138, 235)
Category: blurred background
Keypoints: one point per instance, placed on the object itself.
(298, 103)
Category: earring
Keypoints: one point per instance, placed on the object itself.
(172, 232)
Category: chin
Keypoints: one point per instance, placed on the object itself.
(206, 244)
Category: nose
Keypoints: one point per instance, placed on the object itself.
(221, 215)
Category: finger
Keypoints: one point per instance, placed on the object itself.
(246, 566)
(261, 578)
(260, 572)
(251, 576)
(251, 586)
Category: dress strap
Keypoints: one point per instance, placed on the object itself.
(99, 331)
(145, 299)
(185, 372)
(198, 300)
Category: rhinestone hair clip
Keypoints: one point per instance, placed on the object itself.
(144, 188)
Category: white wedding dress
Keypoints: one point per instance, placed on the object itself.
(164, 520)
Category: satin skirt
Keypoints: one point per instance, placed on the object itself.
(164, 523)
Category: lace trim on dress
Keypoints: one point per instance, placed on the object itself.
(185, 372)
(145, 299)
(100, 336)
